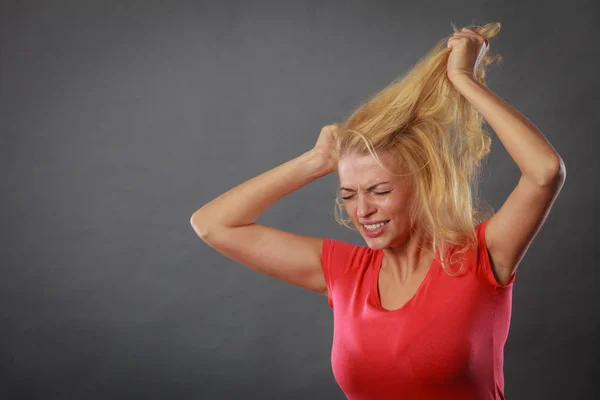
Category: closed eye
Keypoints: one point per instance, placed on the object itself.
(377, 193)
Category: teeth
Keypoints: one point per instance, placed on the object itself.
(375, 226)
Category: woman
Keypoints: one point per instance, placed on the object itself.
(422, 311)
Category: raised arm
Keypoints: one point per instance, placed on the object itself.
(510, 231)
(227, 223)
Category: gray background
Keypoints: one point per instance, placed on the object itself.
(119, 119)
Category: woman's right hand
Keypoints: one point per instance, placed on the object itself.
(324, 146)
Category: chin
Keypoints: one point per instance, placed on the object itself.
(375, 243)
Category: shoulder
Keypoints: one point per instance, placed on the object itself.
(344, 253)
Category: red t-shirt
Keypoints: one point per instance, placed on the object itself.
(446, 342)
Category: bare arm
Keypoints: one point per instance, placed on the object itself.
(243, 204)
(227, 223)
(510, 231)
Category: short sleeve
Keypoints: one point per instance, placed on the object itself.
(483, 259)
(335, 257)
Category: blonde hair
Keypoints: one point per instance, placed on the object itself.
(438, 138)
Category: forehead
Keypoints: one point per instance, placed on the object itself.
(359, 169)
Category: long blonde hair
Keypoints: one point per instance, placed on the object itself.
(438, 139)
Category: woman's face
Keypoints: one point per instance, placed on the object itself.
(373, 196)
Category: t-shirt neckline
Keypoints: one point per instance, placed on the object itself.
(374, 292)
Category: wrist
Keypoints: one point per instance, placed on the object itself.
(461, 78)
(321, 163)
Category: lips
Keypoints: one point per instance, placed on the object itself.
(375, 232)
(373, 222)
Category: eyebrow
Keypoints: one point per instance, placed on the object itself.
(369, 188)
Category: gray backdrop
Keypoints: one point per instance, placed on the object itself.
(119, 119)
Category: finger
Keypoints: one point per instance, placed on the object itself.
(457, 38)
(471, 32)
(467, 34)
(471, 35)
(454, 39)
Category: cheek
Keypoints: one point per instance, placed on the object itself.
(388, 204)
(394, 206)
(350, 208)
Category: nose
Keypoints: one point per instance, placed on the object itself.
(364, 208)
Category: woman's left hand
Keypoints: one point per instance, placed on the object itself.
(468, 48)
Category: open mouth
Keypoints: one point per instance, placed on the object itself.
(374, 230)
(374, 227)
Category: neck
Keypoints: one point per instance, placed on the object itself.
(412, 255)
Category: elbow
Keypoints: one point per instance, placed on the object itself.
(207, 227)
(201, 228)
(555, 174)
(559, 171)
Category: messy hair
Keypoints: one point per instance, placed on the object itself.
(438, 140)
